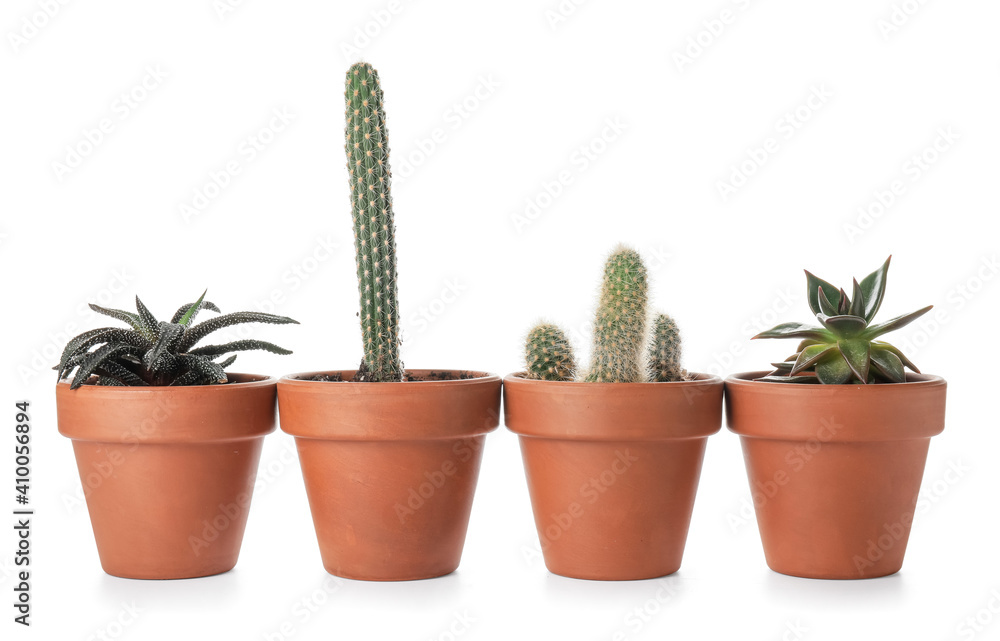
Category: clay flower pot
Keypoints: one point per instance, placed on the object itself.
(613, 469)
(390, 468)
(168, 472)
(835, 469)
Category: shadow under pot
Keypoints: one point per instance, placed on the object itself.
(168, 472)
(835, 470)
(390, 469)
(613, 469)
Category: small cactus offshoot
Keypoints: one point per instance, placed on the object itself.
(159, 353)
(625, 350)
(548, 354)
(367, 147)
(843, 349)
(665, 351)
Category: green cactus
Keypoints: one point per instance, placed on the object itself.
(665, 351)
(367, 150)
(548, 354)
(620, 325)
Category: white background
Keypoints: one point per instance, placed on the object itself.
(722, 263)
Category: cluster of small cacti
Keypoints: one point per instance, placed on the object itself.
(625, 349)
(367, 147)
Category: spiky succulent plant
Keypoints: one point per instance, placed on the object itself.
(153, 352)
(548, 354)
(625, 351)
(367, 147)
(843, 349)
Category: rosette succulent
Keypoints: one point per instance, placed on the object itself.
(844, 348)
(154, 352)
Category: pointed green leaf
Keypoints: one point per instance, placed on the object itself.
(125, 317)
(843, 325)
(797, 330)
(898, 352)
(858, 304)
(811, 355)
(184, 308)
(833, 370)
(873, 287)
(857, 353)
(806, 343)
(844, 306)
(192, 310)
(771, 378)
(896, 323)
(201, 330)
(238, 346)
(146, 317)
(825, 305)
(888, 364)
(813, 285)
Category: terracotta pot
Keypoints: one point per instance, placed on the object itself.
(390, 468)
(612, 469)
(168, 472)
(835, 469)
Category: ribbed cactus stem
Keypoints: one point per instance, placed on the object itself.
(548, 354)
(367, 150)
(665, 351)
(620, 325)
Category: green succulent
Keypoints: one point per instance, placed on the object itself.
(159, 353)
(844, 349)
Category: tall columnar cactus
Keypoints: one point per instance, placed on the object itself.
(367, 148)
(548, 354)
(620, 325)
(665, 351)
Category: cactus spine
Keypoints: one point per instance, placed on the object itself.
(548, 354)
(620, 325)
(665, 351)
(367, 150)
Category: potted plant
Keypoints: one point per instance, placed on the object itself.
(390, 457)
(613, 453)
(167, 443)
(835, 438)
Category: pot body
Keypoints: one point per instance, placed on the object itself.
(168, 472)
(612, 470)
(390, 469)
(835, 470)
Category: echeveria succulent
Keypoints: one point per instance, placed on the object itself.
(159, 353)
(843, 349)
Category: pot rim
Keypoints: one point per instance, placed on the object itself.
(840, 413)
(253, 380)
(393, 411)
(301, 378)
(912, 380)
(700, 379)
(228, 417)
(576, 411)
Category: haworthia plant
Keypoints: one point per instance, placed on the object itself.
(367, 148)
(665, 351)
(620, 324)
(548, 354)
(159, 353)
